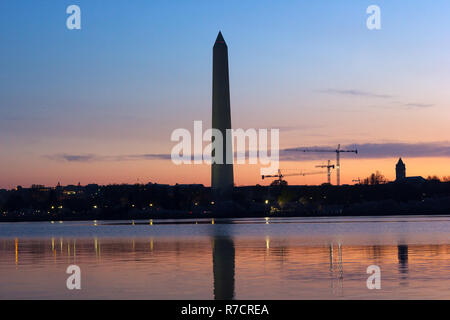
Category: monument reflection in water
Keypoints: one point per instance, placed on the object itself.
(223, 267)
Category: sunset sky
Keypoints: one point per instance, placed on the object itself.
(98, 105)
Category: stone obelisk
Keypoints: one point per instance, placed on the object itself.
(221, 173)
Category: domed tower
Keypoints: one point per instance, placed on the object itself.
(400, 170)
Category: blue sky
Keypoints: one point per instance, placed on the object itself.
(139, 69)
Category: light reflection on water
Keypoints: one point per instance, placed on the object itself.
(298, 258)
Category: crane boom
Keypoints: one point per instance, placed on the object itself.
(280, 175)
(338, 152)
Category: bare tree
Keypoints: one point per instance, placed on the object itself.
(375, 178)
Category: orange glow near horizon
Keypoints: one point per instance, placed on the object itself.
(165, 172)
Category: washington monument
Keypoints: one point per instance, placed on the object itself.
(221, 173)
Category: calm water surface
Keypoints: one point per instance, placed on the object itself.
(276, 258)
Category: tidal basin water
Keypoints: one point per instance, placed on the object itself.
(268, 258)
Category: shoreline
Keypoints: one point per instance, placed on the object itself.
(184, 216)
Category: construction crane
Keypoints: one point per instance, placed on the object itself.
(338, 152)
(280, 176)
(329, 166)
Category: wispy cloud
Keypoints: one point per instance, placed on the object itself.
(357, 93)
(300, 127)
(373, 151)
(418, 105)
(365, 151)
(395, 104)
(150, 156)
(98, 158)
(73, 157)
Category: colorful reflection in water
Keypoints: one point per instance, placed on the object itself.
(236, 259)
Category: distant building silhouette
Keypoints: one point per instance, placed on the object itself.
(400, 170)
